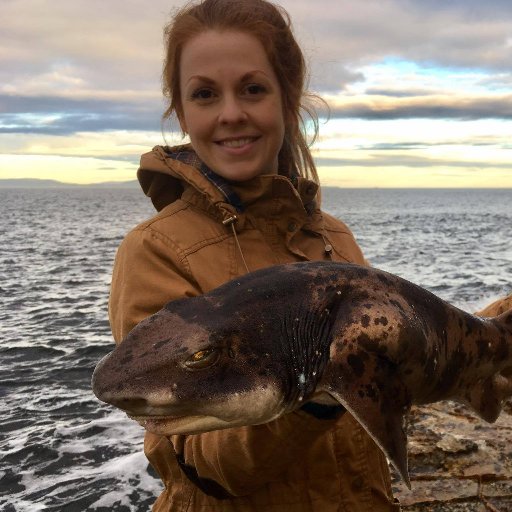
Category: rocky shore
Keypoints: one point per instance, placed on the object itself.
(457, 462)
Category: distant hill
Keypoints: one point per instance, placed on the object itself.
(36, 183)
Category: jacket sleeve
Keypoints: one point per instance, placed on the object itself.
(497, 307)
(148, 273)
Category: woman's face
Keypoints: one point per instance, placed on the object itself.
(231, 104)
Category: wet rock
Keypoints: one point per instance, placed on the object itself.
(457, 462)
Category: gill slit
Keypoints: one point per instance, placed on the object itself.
(231, 222)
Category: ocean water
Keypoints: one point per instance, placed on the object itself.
(62, 450)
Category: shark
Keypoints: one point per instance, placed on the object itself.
(265, 344)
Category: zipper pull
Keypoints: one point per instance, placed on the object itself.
(327, 247)
(230, 220)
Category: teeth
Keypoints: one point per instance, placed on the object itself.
(238, 143)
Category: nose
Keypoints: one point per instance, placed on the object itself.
(232, 111)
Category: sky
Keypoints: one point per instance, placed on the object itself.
(419, 91)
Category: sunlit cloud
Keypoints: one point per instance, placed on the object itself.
(66, 169)
(446, 106)
(398, 176)
(124, 146)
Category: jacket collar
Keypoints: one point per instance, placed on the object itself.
(165, 174)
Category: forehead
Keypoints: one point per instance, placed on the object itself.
(216, 54)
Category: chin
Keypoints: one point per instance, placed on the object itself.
(240, 175)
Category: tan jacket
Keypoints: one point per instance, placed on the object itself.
(298, 462)
(498, 307)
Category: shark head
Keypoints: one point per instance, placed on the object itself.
(189, 369)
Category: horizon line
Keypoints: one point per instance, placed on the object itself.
(52, 183)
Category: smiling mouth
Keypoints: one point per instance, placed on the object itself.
(237, 143)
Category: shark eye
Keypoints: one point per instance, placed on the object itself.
(202, 359)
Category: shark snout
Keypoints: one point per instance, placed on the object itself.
(131, 389)
(134, 406)
(135, 402)
(114, 386)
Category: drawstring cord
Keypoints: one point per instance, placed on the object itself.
(231, 222)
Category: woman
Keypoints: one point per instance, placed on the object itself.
(236, 199)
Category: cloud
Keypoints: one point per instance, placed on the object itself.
(123, 145)
(456, 33)
(64, 116)
(109, 45)
(117, 45)
(431, 107)
(396, 160)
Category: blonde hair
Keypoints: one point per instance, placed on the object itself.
(271, 25)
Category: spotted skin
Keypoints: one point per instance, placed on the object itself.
(264, 344)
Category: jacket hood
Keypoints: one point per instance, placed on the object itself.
(164, 171)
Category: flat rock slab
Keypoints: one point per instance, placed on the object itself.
(457, 462)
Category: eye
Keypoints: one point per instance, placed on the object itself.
(254, 89)
(202, 94)
(202, 359)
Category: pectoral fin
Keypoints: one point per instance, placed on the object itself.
(487, 397)
(379, 401)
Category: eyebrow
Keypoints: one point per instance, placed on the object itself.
(247, 76)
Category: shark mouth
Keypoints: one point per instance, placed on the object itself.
(171, 425)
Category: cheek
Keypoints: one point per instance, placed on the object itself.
(195, 124)
(271, 122)
(278, 129)
(279, 121)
